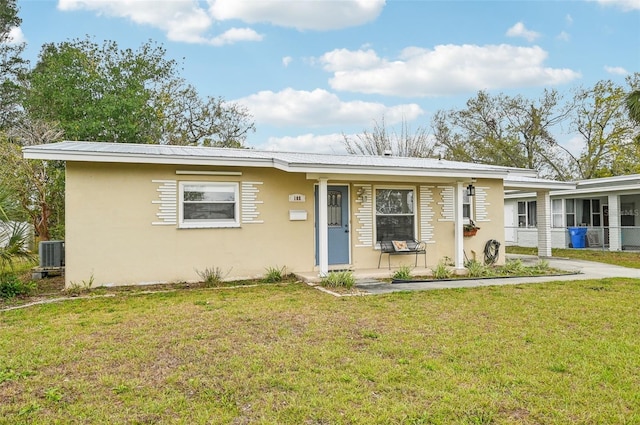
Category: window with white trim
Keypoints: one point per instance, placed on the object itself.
(527, 215)
(209, 204)
(395, 214)
(556, 213)
(466, 206)
(570, 208)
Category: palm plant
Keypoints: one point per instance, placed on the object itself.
(633, 105)
(14, 235)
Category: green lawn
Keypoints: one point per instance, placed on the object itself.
(619, 258)
(555, 353)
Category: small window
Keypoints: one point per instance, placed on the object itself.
(570, 212)
(527, 214)
(556, 212)
(206, 204)
(466, 206)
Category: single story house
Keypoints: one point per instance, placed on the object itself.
(608, 208)
(142, 214)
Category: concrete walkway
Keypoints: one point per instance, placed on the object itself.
(583, 270)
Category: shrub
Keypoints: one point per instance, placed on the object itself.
(541, 266)
(11, 286)
(76, 289)
(442, 271)
(403, 273)
(343, 279)
(212, 276)
(275, 274)
(477, 269)
(512, 267)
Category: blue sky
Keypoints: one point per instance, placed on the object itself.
(312, 70)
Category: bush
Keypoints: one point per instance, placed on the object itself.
(513, 267)
(344, 279)
(403, 273)
(212, 276)
(275, 274)
(477, 269)
(442, 271)
(11, 286)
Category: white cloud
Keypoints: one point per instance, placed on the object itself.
(299, 14)
(182, 20)
(445, 70)
(234, 35)
(320, 108)
(569, 20)
(329, 143)
(626, 5)
(16, 36)
(616, 70)
(563, 36)
(519, 30)
(286, 61)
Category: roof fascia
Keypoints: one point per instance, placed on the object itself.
(129, 158)
(565, 193)
(549, 185)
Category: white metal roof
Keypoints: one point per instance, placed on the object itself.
(287, 161)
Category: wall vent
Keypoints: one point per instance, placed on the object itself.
(51, 253)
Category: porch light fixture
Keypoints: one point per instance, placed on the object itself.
(471, 190)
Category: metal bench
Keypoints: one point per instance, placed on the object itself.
(413, 247)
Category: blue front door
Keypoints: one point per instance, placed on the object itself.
(338, 222)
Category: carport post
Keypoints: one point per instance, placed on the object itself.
(543, 212)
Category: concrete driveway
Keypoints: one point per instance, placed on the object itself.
(582, 270)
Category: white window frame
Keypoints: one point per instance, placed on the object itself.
(375, 213)
(530, 220)
(206, 224)
(467, 207)
(557, 213)
(572, 213)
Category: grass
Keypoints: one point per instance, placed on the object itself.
(553, 353)
(618, 258)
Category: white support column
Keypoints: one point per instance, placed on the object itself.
(458, 223)
(543, 212)
(323, 229)
(615, 240)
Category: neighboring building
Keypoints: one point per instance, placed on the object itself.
(608, 207)
(139, 214)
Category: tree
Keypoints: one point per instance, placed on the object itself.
(508, 131)
(381, 141)
(102, 93)
(12, 66)
(38, 186)
(99, 93)
(603, 124)
(190, 120)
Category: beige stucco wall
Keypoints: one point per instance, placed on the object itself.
(111, 240)
(110, 236)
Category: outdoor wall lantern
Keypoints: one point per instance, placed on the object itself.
(471, 190)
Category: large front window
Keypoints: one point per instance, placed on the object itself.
(395, 217)
(207, 204)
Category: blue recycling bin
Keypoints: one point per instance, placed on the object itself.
(578, 236)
